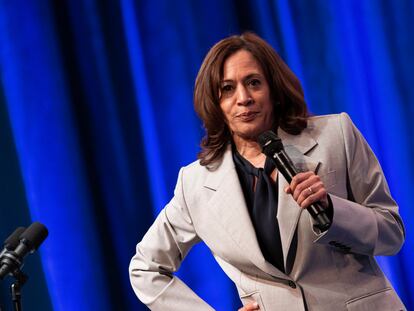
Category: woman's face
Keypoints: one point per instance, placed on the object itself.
(245, 97)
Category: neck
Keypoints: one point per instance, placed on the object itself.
(250, 150)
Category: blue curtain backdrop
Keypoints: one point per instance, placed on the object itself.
(96, 120)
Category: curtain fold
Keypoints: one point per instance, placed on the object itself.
(47, 145)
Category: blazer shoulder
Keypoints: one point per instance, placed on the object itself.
(193, 174)
(338, 118)
(194, 168)
(330, 124)
(222, 164)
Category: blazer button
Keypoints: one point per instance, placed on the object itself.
(292, 284)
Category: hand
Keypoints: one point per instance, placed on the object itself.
(307, 188)
(251, 306)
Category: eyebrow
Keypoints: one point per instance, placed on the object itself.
(249, 76)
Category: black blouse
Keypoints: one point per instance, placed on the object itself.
(262, 202)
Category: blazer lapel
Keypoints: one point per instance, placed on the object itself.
(229, 206)
(296, 146)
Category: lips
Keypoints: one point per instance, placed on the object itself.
(247, 116)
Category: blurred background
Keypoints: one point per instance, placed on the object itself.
(96, 119)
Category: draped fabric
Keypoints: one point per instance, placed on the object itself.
(261, 197)
(96, 119)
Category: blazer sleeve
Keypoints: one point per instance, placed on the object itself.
(160, 254)
(367, 221)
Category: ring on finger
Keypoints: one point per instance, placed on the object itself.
(310, 190)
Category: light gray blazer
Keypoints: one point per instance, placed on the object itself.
(335, 270)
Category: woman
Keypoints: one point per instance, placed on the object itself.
(253, 221)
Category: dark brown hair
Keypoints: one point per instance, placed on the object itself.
(286, 93)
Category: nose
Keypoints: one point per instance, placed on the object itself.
(243, 96)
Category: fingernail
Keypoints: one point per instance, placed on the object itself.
(255, 304)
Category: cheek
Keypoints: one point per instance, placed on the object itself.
(226, 110)
(268, 106)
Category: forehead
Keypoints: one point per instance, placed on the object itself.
(241, 62)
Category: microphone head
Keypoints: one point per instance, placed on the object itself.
(270, 143)
(13, 240)
(34, 235)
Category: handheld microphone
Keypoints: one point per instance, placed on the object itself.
(272, 147)
(28, 242)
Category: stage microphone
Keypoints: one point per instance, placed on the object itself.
(272, 147)
(12, 241)
(28, 242)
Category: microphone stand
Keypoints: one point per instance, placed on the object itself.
(15, 288)
(23, 242)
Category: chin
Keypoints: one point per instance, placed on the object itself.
(250, 134)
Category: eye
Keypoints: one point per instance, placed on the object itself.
(226, 88)
(254, 82)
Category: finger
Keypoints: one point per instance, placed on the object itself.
(304, 186)
(308, 189)
(250, 307)
(320, 196)
(299, 178)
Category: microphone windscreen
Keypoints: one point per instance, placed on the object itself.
(13, 240)
(34, 235)
(270, 142)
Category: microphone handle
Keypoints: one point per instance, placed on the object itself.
(288, 170)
